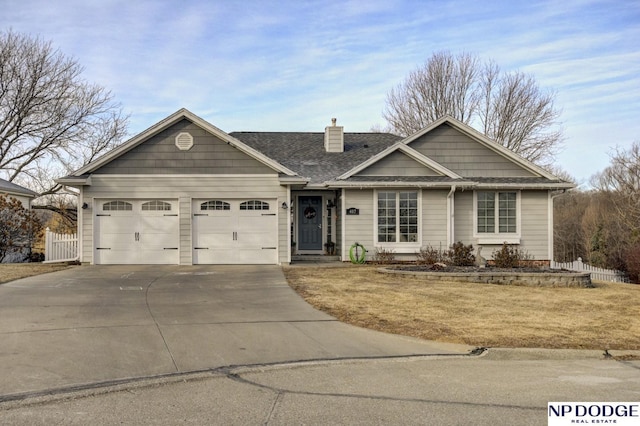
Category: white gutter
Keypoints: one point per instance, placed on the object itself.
(460, 184)
(397, 184)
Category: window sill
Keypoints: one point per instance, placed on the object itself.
(399, 248)
(498, 240)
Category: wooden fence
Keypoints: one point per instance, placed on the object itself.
(599, 274)
(60, 247)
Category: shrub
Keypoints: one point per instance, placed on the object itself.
(384, 256)
(632, 260)
(429, 256)
(18, 226)
(461, 255)
(509, 256)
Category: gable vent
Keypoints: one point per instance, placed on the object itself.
(184, 141)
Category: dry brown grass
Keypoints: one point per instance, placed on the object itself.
(15, 271)
(605, 317)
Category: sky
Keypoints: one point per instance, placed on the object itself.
(293, 65)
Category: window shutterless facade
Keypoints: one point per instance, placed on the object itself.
(497, 215)
(398, 217)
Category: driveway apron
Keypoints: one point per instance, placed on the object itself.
(91, 324)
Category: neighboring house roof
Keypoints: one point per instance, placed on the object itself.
(11, 188)
(305, 153)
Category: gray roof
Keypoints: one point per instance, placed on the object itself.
(304, 153)
(12, 188)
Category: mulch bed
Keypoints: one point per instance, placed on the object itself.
(474, 269)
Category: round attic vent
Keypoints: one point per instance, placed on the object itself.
(184, 141)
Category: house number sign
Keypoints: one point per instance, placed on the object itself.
(353, 211)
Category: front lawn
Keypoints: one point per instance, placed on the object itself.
(605, 317)
(15, 271)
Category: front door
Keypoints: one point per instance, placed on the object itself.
(309, 223)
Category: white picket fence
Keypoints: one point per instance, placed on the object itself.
(599, 274)
(60, 247)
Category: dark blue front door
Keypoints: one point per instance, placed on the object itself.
(309, 223)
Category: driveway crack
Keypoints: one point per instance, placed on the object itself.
(164, 341)
(274, 406)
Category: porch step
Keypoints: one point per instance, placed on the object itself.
(314, 258)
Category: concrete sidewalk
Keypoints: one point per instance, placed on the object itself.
(101, 323)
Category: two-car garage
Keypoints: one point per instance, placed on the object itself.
(223, 231)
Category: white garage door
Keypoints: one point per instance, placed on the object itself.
(137, 232)
(235, 232)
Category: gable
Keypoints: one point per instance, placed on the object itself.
(464, 155)
(398, 164)
(160, 155)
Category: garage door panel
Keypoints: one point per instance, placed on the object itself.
(255, 240)
(212, 256)
(137, 236)
(116, 232)
(259, 256)
(234, 236)
(113, 256)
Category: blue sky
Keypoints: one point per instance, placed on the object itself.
(292, 65)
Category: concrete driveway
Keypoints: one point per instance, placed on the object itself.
(94, 324)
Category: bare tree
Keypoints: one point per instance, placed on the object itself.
(444, 85)
(519, 115)
(509, 108)
(51, 120)
(622, 178)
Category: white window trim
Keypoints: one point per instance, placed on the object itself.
(397, 247)
(497, 238)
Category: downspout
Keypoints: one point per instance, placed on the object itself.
(552, 196)
(451, 216)
(289, 224)
(343, 225)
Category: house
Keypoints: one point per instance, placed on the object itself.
(22, 194)
(185, 192)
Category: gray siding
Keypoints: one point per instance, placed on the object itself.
(464, 156)
(159, 155)
(398, 164)
(463, 216)
(359, 228)
(186, 232)
(183, 189)
(434, 219)
(535, 223)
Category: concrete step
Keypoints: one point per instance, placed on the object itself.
(314, 258)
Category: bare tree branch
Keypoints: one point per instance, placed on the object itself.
(509, 108)
(51, 120)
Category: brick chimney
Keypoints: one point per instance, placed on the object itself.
(334, 137)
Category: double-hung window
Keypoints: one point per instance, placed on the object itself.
(398, 217)
(497, 214)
